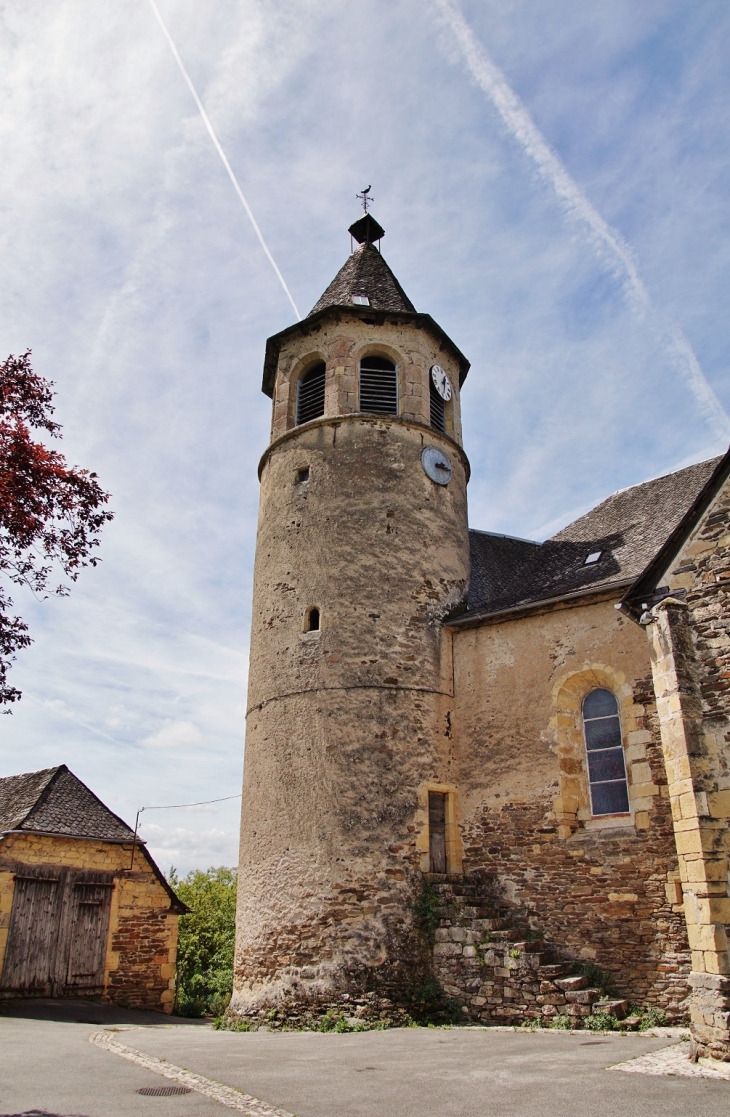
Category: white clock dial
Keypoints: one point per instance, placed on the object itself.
(441, 382)
(436, 465)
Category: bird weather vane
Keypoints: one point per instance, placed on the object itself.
(364, 198)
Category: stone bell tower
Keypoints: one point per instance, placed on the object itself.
(362, 551)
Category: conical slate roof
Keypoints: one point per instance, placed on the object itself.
(365, 273)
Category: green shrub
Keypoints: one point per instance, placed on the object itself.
(597, 977)
(206, 941)
(563, 1023)
(652, 1018)
(429, 1004)
(601, 1022)
(425, 910)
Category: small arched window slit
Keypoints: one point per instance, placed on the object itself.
(313, 619)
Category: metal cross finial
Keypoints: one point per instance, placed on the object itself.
(364, 198)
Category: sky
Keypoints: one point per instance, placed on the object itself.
(552, 177)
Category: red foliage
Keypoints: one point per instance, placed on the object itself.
(50, 514)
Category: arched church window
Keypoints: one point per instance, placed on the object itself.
(605, 750)
(310, 394)
(378, 386)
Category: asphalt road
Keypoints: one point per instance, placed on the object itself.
(48, 1066)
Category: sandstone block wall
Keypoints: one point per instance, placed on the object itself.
(601, 889)
(690, 644)
(341, 343)
(142, 943)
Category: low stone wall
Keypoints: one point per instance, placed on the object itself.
(500, 977)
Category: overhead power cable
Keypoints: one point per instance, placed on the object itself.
(173, 806)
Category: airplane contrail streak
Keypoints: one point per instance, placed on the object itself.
(608, 242)
(222, 154)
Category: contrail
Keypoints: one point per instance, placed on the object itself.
(608, 243)
(222, 154)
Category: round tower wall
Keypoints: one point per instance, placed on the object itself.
(349, 723)
(342, 342)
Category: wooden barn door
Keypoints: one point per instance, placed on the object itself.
(33, 937)
(89, 902)
(59, 927)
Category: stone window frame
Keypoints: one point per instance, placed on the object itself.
(378, 349)
(454, 844)
(300, 369)
(572, 804)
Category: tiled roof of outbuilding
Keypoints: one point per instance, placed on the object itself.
(365, 273)
(55, 801)
(628, 529)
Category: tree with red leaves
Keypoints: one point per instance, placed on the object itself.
(50, 514)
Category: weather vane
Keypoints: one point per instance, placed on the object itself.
(364, 198)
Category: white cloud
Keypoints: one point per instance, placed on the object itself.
(129, 266)
(174, 735)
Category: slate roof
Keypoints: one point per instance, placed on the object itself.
(365, 273)
(628, 529)
(55, 801)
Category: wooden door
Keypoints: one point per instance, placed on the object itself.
(437, 831)
(33, 936)
(88, 925)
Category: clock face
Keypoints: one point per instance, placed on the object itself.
(436, 465)
(441, 382)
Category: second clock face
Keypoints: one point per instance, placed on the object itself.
(441, 382)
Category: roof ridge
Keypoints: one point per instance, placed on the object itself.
(502, 535)
(660, 477)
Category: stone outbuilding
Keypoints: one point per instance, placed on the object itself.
(84, 909)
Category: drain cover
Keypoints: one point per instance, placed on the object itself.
(164, 1091)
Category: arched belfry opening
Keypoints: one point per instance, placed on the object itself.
(378, 386)
(310, 394)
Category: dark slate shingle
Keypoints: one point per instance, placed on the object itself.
(495, 562)
(19, 794)
(55, 801)
(628, 529)
(365, 273)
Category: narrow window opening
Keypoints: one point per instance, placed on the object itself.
(310, 394)
(437, 831)
(361, 300)
(302, 475)
(378, 386)
(438, 408)
(605, 750)
(313, 620)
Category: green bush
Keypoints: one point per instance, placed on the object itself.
(601, 1022)
(426, 911)
(652, 1018)
(429, 1004)
(597, 977)
(206, 942)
